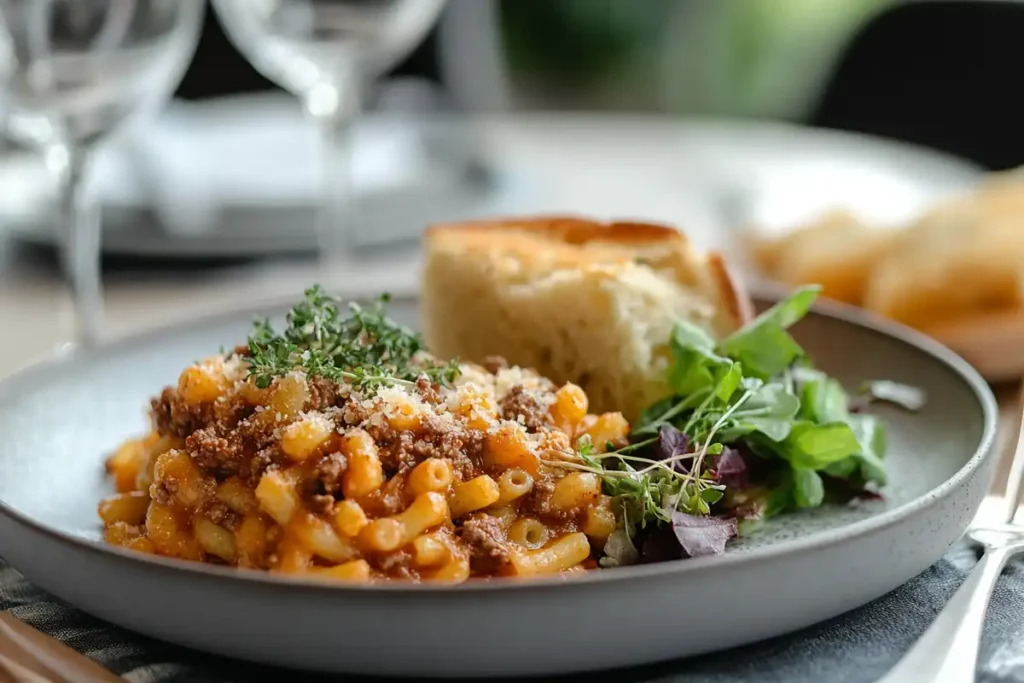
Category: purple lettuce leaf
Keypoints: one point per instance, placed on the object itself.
(731, 468)
(673, 442)
(659, 544)
(700, 535)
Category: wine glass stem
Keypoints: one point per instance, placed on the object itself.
(79, 225)
(337, 214)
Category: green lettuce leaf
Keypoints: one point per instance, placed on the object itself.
(763, 346)
(808, 488)
(812, 446)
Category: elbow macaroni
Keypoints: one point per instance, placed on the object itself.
(475, 494)
(392, 488)
(365, 474)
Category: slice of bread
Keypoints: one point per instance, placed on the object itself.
(963, 258)
(578, 300)
(838, 251)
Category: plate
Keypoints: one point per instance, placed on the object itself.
(237, 176)
(710, 176)
(240, 177)
(61, 418)
(782, 175)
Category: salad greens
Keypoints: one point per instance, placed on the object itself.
(751, 430)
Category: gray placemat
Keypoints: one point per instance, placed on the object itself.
(857, 647)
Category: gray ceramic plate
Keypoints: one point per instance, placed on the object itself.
(60, 419)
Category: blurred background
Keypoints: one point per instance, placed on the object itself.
(735, 119)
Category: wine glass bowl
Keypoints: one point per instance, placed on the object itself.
(325, 52)
(306, 45)
(75, 71)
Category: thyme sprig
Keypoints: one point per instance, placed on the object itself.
(366, 348)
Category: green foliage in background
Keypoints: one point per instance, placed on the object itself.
(777, 47)
(577, 41)
(747, 57)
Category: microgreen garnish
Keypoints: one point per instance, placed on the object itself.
(365, 348)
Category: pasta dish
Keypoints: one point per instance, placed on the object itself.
(360, 478)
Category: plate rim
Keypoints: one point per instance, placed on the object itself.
(46, 369)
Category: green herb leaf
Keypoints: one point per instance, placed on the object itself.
(765, 351)
(695, 365)
(711, 496)
(790, 310)
(844, 469)
(808, 489)
(686, 335)
(365, 348)
(770, 410)
(823, 399)
(763, 346)
(811, 446)
(870, 433)
(728, 380)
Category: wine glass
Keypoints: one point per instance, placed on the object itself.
(326, 52)
(72, 72)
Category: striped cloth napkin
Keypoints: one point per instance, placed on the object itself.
(857, 647)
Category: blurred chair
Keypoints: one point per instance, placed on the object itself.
(941, 73)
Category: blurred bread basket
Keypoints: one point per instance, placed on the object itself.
(956, 272)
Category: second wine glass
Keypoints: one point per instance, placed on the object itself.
(326, 52)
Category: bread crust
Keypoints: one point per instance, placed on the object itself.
(735, 296)
(736, 306)
(571, 229)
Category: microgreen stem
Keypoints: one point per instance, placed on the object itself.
(707, 443)
(683, 405)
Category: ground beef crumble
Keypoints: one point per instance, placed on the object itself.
(436, 439)
(394, 448)
(263, 460)
(521, 407)
(221, 514)
(321, 504)
(538, 500)
(211, 451)
(353, 413)
(163, 491)
(428, 390)
(323, 393)
(329, 471)
(488, 549)
(174, 417)
(396, 564)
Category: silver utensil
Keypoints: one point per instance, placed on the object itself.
(948, 650)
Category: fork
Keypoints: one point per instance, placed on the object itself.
(948, 650)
